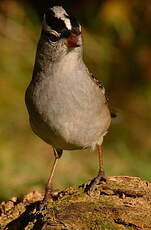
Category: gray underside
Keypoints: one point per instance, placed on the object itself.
(66, 108)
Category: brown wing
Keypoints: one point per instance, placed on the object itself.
(100, 85)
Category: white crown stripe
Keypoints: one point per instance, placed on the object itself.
(60, 13)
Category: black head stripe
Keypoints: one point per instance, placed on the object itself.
(73, 20)
(55, 23)
(74, 23)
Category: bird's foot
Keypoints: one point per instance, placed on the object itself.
(91, 184)
(51, 194)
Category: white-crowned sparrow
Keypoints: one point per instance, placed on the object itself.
(66, 106)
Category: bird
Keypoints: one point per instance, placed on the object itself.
(67, 105)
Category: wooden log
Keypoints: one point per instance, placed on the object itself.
(120, 203)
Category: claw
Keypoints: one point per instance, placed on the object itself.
(91, 184)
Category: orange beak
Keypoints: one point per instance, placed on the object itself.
(74, 41)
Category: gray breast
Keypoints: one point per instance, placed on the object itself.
(68, 112)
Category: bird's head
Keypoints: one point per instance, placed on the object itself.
(61, 28)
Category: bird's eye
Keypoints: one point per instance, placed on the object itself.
(50, 36)
(53, 37)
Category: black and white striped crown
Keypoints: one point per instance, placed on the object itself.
(59, 19)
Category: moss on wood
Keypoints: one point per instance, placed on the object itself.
(121, 203)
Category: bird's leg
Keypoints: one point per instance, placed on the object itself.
(48, 189)
(101, 175)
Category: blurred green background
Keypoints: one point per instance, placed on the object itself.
(117, 49)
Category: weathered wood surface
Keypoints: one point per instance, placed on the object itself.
(121, 203)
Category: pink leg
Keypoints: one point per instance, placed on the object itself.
(90, 185)
(49, 189)
(101, 162)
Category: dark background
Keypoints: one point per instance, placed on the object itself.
(117, 49)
